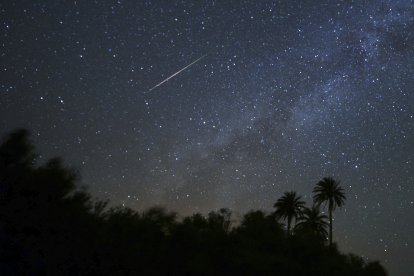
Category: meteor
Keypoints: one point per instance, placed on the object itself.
(176, 73)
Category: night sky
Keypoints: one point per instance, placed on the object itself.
(285, 93)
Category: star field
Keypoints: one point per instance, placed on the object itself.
(289, 92)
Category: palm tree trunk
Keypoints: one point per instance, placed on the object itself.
(288, 228)
(330, 226)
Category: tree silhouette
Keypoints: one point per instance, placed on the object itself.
(374, 268)
(48, 226)
(261, 227)
(220, 221)
(289, 206)
(313, 222)
(16, 158)
(44, 218)
(328, 191)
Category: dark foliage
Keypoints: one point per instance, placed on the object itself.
(289, 207)
(49, 227)
(328, 191)
(312, 222)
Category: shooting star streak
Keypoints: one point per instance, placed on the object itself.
(176, 73)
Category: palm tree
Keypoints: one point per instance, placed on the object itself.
(313, 222)
(329, 192)
(288, 207)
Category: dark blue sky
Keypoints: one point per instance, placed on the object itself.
(289, 92)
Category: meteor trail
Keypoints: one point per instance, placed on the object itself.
(176, 73)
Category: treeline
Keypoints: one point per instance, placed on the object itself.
(50, 227)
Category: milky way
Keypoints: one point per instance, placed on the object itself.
(289, 92)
